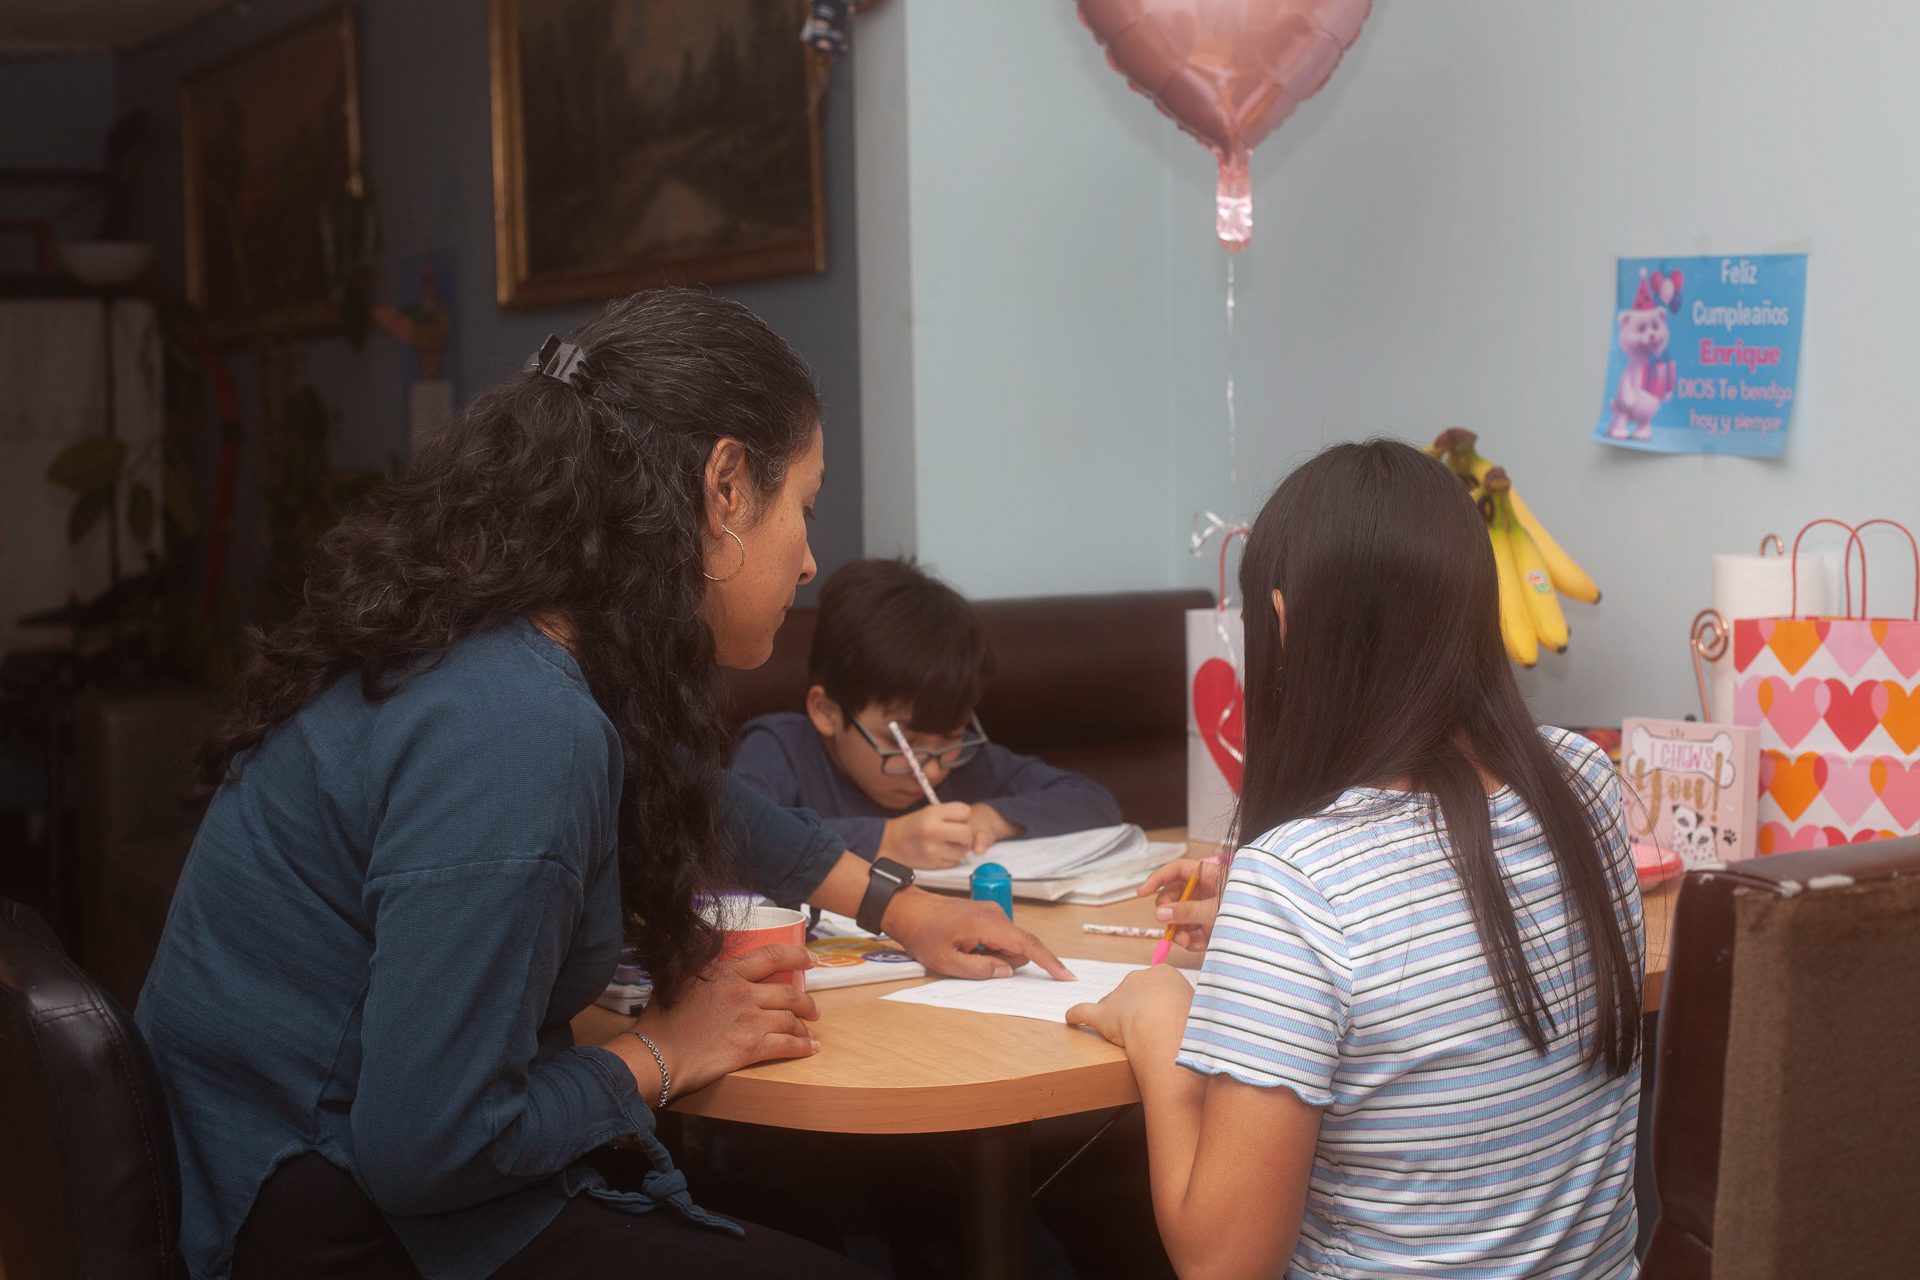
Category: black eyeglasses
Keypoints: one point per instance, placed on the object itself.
(893, 761)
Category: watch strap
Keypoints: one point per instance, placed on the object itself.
(885, 879)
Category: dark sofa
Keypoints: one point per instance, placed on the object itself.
(1092, 683)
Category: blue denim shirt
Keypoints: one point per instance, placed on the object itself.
(384, 927)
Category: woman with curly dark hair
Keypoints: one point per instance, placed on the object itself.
(487, 750)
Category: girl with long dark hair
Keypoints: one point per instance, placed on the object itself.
(1412, 1049)
(488, 748)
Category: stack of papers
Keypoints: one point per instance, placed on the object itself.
(1089, 867)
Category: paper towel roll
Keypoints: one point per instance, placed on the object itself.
(1762, 587)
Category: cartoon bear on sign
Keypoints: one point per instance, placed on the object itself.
(1648, 379)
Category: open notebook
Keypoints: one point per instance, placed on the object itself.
(1089, 867)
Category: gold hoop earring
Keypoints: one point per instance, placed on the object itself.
(737, 568)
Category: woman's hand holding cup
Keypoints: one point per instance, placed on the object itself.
(751, 1005)
(739, 1012)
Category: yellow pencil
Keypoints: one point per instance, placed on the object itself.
(1166, 940)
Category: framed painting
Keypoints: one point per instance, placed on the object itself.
(648, 142)
(270, 146)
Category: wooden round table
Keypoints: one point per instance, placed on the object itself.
(887, 1067)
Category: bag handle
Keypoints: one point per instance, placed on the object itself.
(1846, 565)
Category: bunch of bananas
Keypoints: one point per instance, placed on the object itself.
(1530, 564)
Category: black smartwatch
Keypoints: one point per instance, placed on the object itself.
(886, 879)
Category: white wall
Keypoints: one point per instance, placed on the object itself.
(1434, 244)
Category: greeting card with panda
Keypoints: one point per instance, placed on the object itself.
(1691, 791)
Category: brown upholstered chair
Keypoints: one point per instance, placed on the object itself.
(1095, 684)
(1786, 1113)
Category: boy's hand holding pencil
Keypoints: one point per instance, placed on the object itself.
(1188, 890)
(940, 835)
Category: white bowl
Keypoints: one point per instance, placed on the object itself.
(106, 261)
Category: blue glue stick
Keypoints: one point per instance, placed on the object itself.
(991, 883)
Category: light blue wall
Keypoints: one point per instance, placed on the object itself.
(1024, 262)
(1434, 245)
(426, 136)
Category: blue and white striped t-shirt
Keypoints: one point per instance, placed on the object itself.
(1344, 965)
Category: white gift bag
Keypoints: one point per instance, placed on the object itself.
(1216, 720)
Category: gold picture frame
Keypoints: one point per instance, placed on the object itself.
(270, 152)
(669, 142)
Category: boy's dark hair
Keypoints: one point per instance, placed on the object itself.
(889, 633)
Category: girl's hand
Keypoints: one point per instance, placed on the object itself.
(1152, 1000)
(1193, 919)
(940, 835)
(727, 1018)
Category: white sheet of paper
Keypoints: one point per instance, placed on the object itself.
(1029, 993)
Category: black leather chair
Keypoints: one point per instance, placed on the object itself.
(88, 1182)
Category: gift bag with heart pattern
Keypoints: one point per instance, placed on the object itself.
(1837, 704)
(1216, 739)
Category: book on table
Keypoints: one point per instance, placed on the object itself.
(1090, 868)
(845, 955)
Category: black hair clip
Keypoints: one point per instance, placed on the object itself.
(561, 361)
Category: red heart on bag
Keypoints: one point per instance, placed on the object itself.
(1747, 642)
(1217, 708)
(1853, 714)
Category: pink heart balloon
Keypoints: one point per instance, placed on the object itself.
(1229, 72)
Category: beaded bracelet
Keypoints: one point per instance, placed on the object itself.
(666, 1081)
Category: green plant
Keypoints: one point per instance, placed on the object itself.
(95, 468)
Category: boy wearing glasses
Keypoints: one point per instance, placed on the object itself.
(895, 647)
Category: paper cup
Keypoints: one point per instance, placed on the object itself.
(745, 927)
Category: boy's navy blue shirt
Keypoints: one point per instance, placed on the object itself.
(384, 927)
(784, 758)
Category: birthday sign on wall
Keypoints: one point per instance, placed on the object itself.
(1705, 354)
